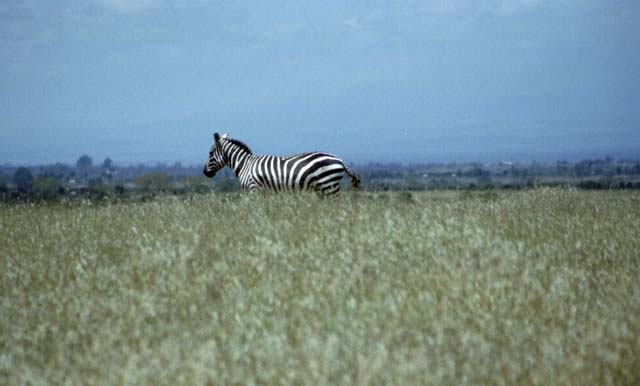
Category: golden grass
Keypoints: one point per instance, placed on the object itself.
(539, 287)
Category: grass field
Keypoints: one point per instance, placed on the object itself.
(538, 287)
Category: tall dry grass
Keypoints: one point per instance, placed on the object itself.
(530, 288)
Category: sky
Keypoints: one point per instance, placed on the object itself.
(371, 81)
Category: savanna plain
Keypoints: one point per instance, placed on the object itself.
(533, 287)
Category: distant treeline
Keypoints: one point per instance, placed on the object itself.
(109, 181)
(604, 173)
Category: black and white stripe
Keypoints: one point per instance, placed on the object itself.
(316, 171)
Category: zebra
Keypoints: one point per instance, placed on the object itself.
(315, 171)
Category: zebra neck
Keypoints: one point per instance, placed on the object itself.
(237, 159)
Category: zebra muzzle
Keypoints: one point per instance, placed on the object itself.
(208, 173)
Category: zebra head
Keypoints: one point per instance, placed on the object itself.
(216, 159)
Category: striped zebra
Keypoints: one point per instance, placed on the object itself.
(317, 171)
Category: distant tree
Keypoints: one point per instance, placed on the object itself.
(156, 181)
(120, 190)
(3, 183)
(477, 171)
(107, 163)
(109, 175)
(58, 170)
(47, 188)
(196, 184)
(95, 183)
(23, 179)
(84, 162)
(583, 168)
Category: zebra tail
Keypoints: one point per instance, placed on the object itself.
(355, 178)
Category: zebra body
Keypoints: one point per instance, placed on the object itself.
(315, 171)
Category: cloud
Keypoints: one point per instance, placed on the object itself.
(351, 23)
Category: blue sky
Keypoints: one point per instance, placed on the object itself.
(405, 81)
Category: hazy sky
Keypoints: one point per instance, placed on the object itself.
(442, 80)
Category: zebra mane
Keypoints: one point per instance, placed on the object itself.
(240, 144)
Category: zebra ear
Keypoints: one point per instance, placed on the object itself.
(216, 137)
(224, 135)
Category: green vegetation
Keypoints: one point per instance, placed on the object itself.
(156, 181)
(112, 182)
(532, 287)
